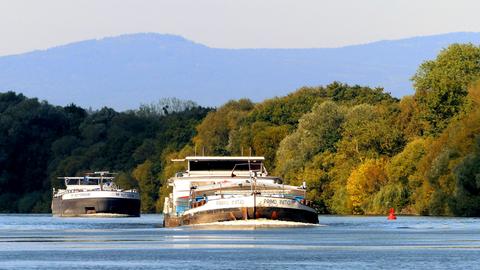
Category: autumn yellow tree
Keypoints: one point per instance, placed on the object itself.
(365, 181)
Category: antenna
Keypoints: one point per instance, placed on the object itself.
(250, 151)
(195, 149)
(203, 150)
(242, 151)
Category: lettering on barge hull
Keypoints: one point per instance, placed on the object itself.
(249, 202)
(275, 202)
(100, 194)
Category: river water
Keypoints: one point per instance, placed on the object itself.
(341, 242)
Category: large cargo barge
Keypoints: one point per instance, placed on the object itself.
(95, 194)
(217, 189)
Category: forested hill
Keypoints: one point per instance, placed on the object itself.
(139, 68)
(360, 150)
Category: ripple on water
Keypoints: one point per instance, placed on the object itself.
(45, 242)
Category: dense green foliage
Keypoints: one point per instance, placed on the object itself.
(359, 150)
(442, 84)
(39, 142)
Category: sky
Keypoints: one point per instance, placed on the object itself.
(33, 24)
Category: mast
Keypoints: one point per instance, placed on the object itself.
(254, 189)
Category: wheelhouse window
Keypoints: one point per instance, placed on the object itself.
(89, 181)
(73, 181)
(81, 181)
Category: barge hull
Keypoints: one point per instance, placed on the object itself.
(244, 213)
(94, 206)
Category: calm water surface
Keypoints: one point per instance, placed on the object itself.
(45, 242)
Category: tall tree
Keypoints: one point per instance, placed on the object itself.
(441, 84)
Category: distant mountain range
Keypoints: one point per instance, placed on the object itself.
(124, 71)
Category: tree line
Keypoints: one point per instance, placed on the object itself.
(40, 142)
(360, 150)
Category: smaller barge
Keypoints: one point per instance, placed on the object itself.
(95, 194)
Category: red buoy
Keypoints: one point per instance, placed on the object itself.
(392, 214)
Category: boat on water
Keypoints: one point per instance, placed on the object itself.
(223, 189)
(95, 194)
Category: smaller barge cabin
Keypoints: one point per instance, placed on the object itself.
(216, 189)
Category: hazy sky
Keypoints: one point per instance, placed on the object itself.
(37, 24)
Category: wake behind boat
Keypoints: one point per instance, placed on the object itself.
(252, 224)
(220, 189)
(95, 194)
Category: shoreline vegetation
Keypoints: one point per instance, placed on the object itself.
(360, 150)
